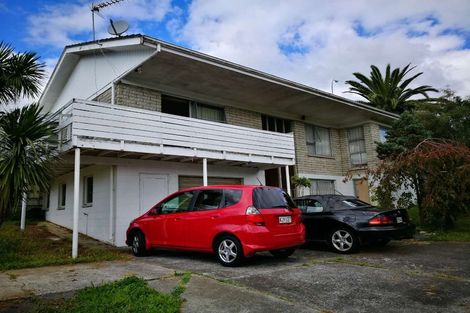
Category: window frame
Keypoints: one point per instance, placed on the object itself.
(363, 161)
(200, 192)
(62, 195)
(314, 182)
(267, 120)
(383, 133)
(85, 202)
(312, 128)
(193, 107)
(190, 207)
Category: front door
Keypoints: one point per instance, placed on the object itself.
(361, 189)
(153, 188)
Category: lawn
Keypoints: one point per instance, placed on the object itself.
(37, 246)
(460, 232)
(130, 294)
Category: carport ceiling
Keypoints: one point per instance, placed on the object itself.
(184, 76)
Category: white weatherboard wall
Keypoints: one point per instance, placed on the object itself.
(93, 72)
(96, 225)
(128, 179)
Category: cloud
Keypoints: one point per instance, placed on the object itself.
(314, 42)
(62, 24)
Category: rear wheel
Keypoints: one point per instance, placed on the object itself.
(282, 253)
(138, 244)
(228, 250)
(343, 240)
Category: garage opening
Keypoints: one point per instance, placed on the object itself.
(195, 181)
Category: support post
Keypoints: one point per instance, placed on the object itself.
(76, 194)
(23, 211)
(111, 204)
(204, 171)
(287, 179)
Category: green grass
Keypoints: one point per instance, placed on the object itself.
(130, 294)
(460, 232)
(34, 248)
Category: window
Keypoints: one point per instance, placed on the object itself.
(267, 197)
(88, 191)
(179, 203)
(357, 146)
(382, 134)
(62, 195)
(318, 140)
(188, 108)
(208, 200)
(322, 187)
(309, 206)
(231, 197)
(275, 124)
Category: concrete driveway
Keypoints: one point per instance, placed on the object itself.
(406, 276)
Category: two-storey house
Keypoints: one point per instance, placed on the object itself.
(140, 118)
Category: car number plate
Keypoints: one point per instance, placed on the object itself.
(285, 219)
(399, 219)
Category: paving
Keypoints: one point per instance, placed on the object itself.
(406, 276)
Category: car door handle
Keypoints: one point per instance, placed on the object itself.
(178, 219)
(215, 216)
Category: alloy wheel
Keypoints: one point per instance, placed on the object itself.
(227, 251)
(136, 244)
(342, 240)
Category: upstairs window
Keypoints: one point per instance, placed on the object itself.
(382, 134)
(189, 108)
(275, 124)
(318, 140)
(357, 146)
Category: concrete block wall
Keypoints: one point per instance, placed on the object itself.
(245, 118)
(104, 96)
(138, 97)
(305, 163)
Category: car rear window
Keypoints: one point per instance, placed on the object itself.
(355, 203)
(266, 197)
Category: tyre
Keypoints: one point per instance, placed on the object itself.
(282, 253)
(343, 240)
(228, 250)
(138, 244)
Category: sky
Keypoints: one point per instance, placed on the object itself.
(308, 41)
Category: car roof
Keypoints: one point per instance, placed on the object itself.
(326, 197)
(225, 187)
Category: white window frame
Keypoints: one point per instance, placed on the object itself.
(361, 153)
(85, 199)
(62, 193)
(312, 128)
(314, 185)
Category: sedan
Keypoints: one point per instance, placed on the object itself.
(345, 222)
(233, 222)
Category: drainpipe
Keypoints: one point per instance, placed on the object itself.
(287, 180)
(112, 187)
(204, 171)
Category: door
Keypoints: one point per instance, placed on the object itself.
(361, 189)
(203, 220)
(153, 188)
(315, 218)
(196, 181)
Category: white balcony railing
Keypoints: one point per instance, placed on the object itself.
(101, 126)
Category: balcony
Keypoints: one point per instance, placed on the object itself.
(105, 129)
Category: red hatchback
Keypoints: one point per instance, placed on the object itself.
(233, 222)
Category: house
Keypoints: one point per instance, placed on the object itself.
(140, 118)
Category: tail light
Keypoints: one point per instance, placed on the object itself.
(254, 216)
(380, 220)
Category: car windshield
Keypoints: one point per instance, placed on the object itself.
(271, 197)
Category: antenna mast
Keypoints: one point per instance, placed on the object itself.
(95, 8)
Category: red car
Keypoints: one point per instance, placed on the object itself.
(233, 222)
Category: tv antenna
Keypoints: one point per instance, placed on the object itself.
(95, 9)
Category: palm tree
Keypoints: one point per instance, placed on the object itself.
(26, 155)
(391, 92)
(20, 74)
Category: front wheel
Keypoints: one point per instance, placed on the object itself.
(343, 240)
(138, 244)
(229, 251)
(282, 253)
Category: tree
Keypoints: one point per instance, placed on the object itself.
(26, 155)
(446, 117)
(20, 74)
(390, 92)
(438, 170)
